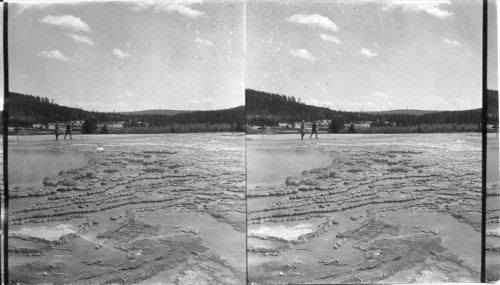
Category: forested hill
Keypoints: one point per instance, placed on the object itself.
(157, 112)
(492, 107)
(28, 109)
(269, 109)
(404, 112)
(25, 110)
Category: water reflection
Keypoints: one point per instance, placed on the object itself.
(265, 165)
(33, 165)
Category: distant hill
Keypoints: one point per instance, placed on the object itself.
(26, 110)
(158, 112)
(269, 109)
(405, 111)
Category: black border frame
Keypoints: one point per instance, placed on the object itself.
(5, 117)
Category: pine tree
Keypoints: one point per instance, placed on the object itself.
(104, 130)
(351, 129)
(335, 126)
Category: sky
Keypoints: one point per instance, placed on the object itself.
(492, 64)
(368, 55)
(129, 56)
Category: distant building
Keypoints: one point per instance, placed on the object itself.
(38, 126)
(118, 125)
(307, 125)
(360, 125)
(16, 128)
(52, 126)
(77, 124)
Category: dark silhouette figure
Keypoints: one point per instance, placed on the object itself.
(302, 130)
(68, 131)
(314, 130)
(56, 132)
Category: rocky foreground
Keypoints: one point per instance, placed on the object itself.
(388, 209)
(492, 232)
(144, 209)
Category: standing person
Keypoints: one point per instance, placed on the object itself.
(57, 130)
(68, 131)
(314, 130)
(302, 130)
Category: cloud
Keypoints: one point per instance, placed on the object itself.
(368, 53)
(206, 102)
(130, 94)
(452, 104)
(457, 102)
(330, 38)
(82, 39)
(320, 103)
(55, 54)
(204, 42)
(67, 22)
(69, 103)
(452, 42)
(120, 54)
(347, 105)
(431, 7)
(379, 94)
(181, 8)
(140, 6)
(19, 8)
(97, 105)
(302, 53)
(315, 21)
(209, 102)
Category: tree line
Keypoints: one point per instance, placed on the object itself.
(492, 107)
(261, 109)
(26, 110)
(269, 109)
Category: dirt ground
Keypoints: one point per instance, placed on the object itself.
(163, 209)
(388, 209)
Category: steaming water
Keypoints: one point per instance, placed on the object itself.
(48, 233)
(266, 165)
(492, 159)
(33, 165)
